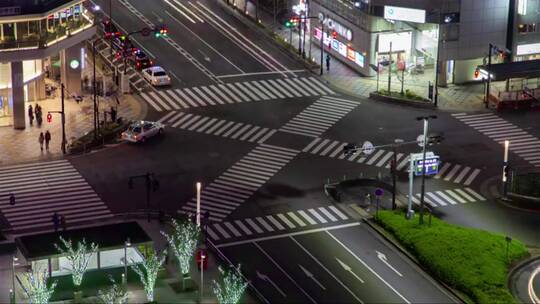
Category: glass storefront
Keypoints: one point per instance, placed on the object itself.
(44, 31)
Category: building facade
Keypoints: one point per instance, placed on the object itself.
(458, 32)
(38, 39)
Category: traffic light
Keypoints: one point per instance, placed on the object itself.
(292, 22)
(334, 34)
(476, 73)
(162, 31)
(49, 117)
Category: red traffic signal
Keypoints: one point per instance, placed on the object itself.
(334, 34)
(199, 256)
(476, 73)
(49, 117)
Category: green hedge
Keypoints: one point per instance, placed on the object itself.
(108, 132)
(470, 260)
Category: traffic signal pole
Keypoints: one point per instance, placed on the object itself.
(423, 187)
(322, 45)
(488, 76)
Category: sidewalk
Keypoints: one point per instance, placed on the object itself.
(23, 146)
(168, 285)
(454, 97)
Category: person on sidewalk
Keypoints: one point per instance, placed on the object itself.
(31, 114)
(56, 221)
(113, 114)
(327, 62)
(63, 222)
(39, 117)
(47, 139)
(41, 140)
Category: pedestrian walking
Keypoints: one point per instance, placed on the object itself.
(31, 114)
(47, 139)
(327, 62)
(41, 140)
(63, 222)
(56, 221)
(113, 114)
(39, 117)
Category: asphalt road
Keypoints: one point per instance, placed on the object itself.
(264, 155)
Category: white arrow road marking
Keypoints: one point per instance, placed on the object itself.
(206, 57)
(264, 277)
(382, 257)
(311, 276)
(348, 269)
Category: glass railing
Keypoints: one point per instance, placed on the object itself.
(49, 37)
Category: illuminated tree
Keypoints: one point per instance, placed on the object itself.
(78, 257)
(114, 294)
(183, 243)
(148, 271)
(34, 284)
(232, 286)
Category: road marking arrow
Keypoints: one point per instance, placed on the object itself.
(348, 269)
(382, 257)
(264, 277)
(311, 276)
(206, 57)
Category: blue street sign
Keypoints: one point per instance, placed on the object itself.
(431, 166)
(379, 192)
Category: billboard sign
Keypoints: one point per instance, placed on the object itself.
(404, 14)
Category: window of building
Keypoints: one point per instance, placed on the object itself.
(527, 28)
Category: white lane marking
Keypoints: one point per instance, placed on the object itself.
(307, 217)
(286, 220)
(243, 227)
(191, 12)
(275, 222)
(253, 225)
(260, 73)
(284, 272)
(222, 231)
(264, 224)
(367, 266)
(326, 269)
(465, 195)
(180, 11)
(328, 214)
(471, 177)
(457, 197)
(296, 219)
(233, 229)
(339, 213)
(317, 216)
(475, 194)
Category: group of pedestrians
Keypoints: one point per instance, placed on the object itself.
(44, 138)
(59, 220)
(37, 112)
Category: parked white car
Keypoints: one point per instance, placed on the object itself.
(157, 76)
(141, 130)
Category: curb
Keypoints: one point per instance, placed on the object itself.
(518, 267)
(405, 252)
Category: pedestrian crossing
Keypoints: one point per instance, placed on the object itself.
(277, 223)
(40, 189)
(234, 186)
(319, 116)
(235, 92)
(218, 127)
(522, 143)
(445, 198)
(455, 173)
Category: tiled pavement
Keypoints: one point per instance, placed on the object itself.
(22, 145)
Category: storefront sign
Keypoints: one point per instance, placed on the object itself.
(300, 8)
(339, 28)
(400, 42)
(404, 14)
(528, 49)
(341, 48)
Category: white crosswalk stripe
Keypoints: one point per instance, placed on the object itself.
(521, 142)
(219, 127)
(41, 189)
(319, 116)
(234, 186)
(382, 158)
(249, 91)
(277, 223)
(448, 197)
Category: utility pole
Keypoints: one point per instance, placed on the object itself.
(63, 120)
(390, 67)
(488, 76)
(300, 36)
(94, 88)
(426, 141)
(437, 66)
(394, 173)
(322, 45)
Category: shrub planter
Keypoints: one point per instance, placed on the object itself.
(85, 143)
(397, 97)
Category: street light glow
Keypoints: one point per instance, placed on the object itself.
(97, 8)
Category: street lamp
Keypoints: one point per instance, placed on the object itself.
(426, 126)
(203, 256)
(13, 264)
(506, 168)
(126, 245)
(198, 204)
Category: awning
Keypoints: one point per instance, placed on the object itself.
(41, 246)
(517, 69)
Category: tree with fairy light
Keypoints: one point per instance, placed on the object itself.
(114, 294)
(183, 242)
(148, 271)
(34, 284)
(78, 257)
(232, 286)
